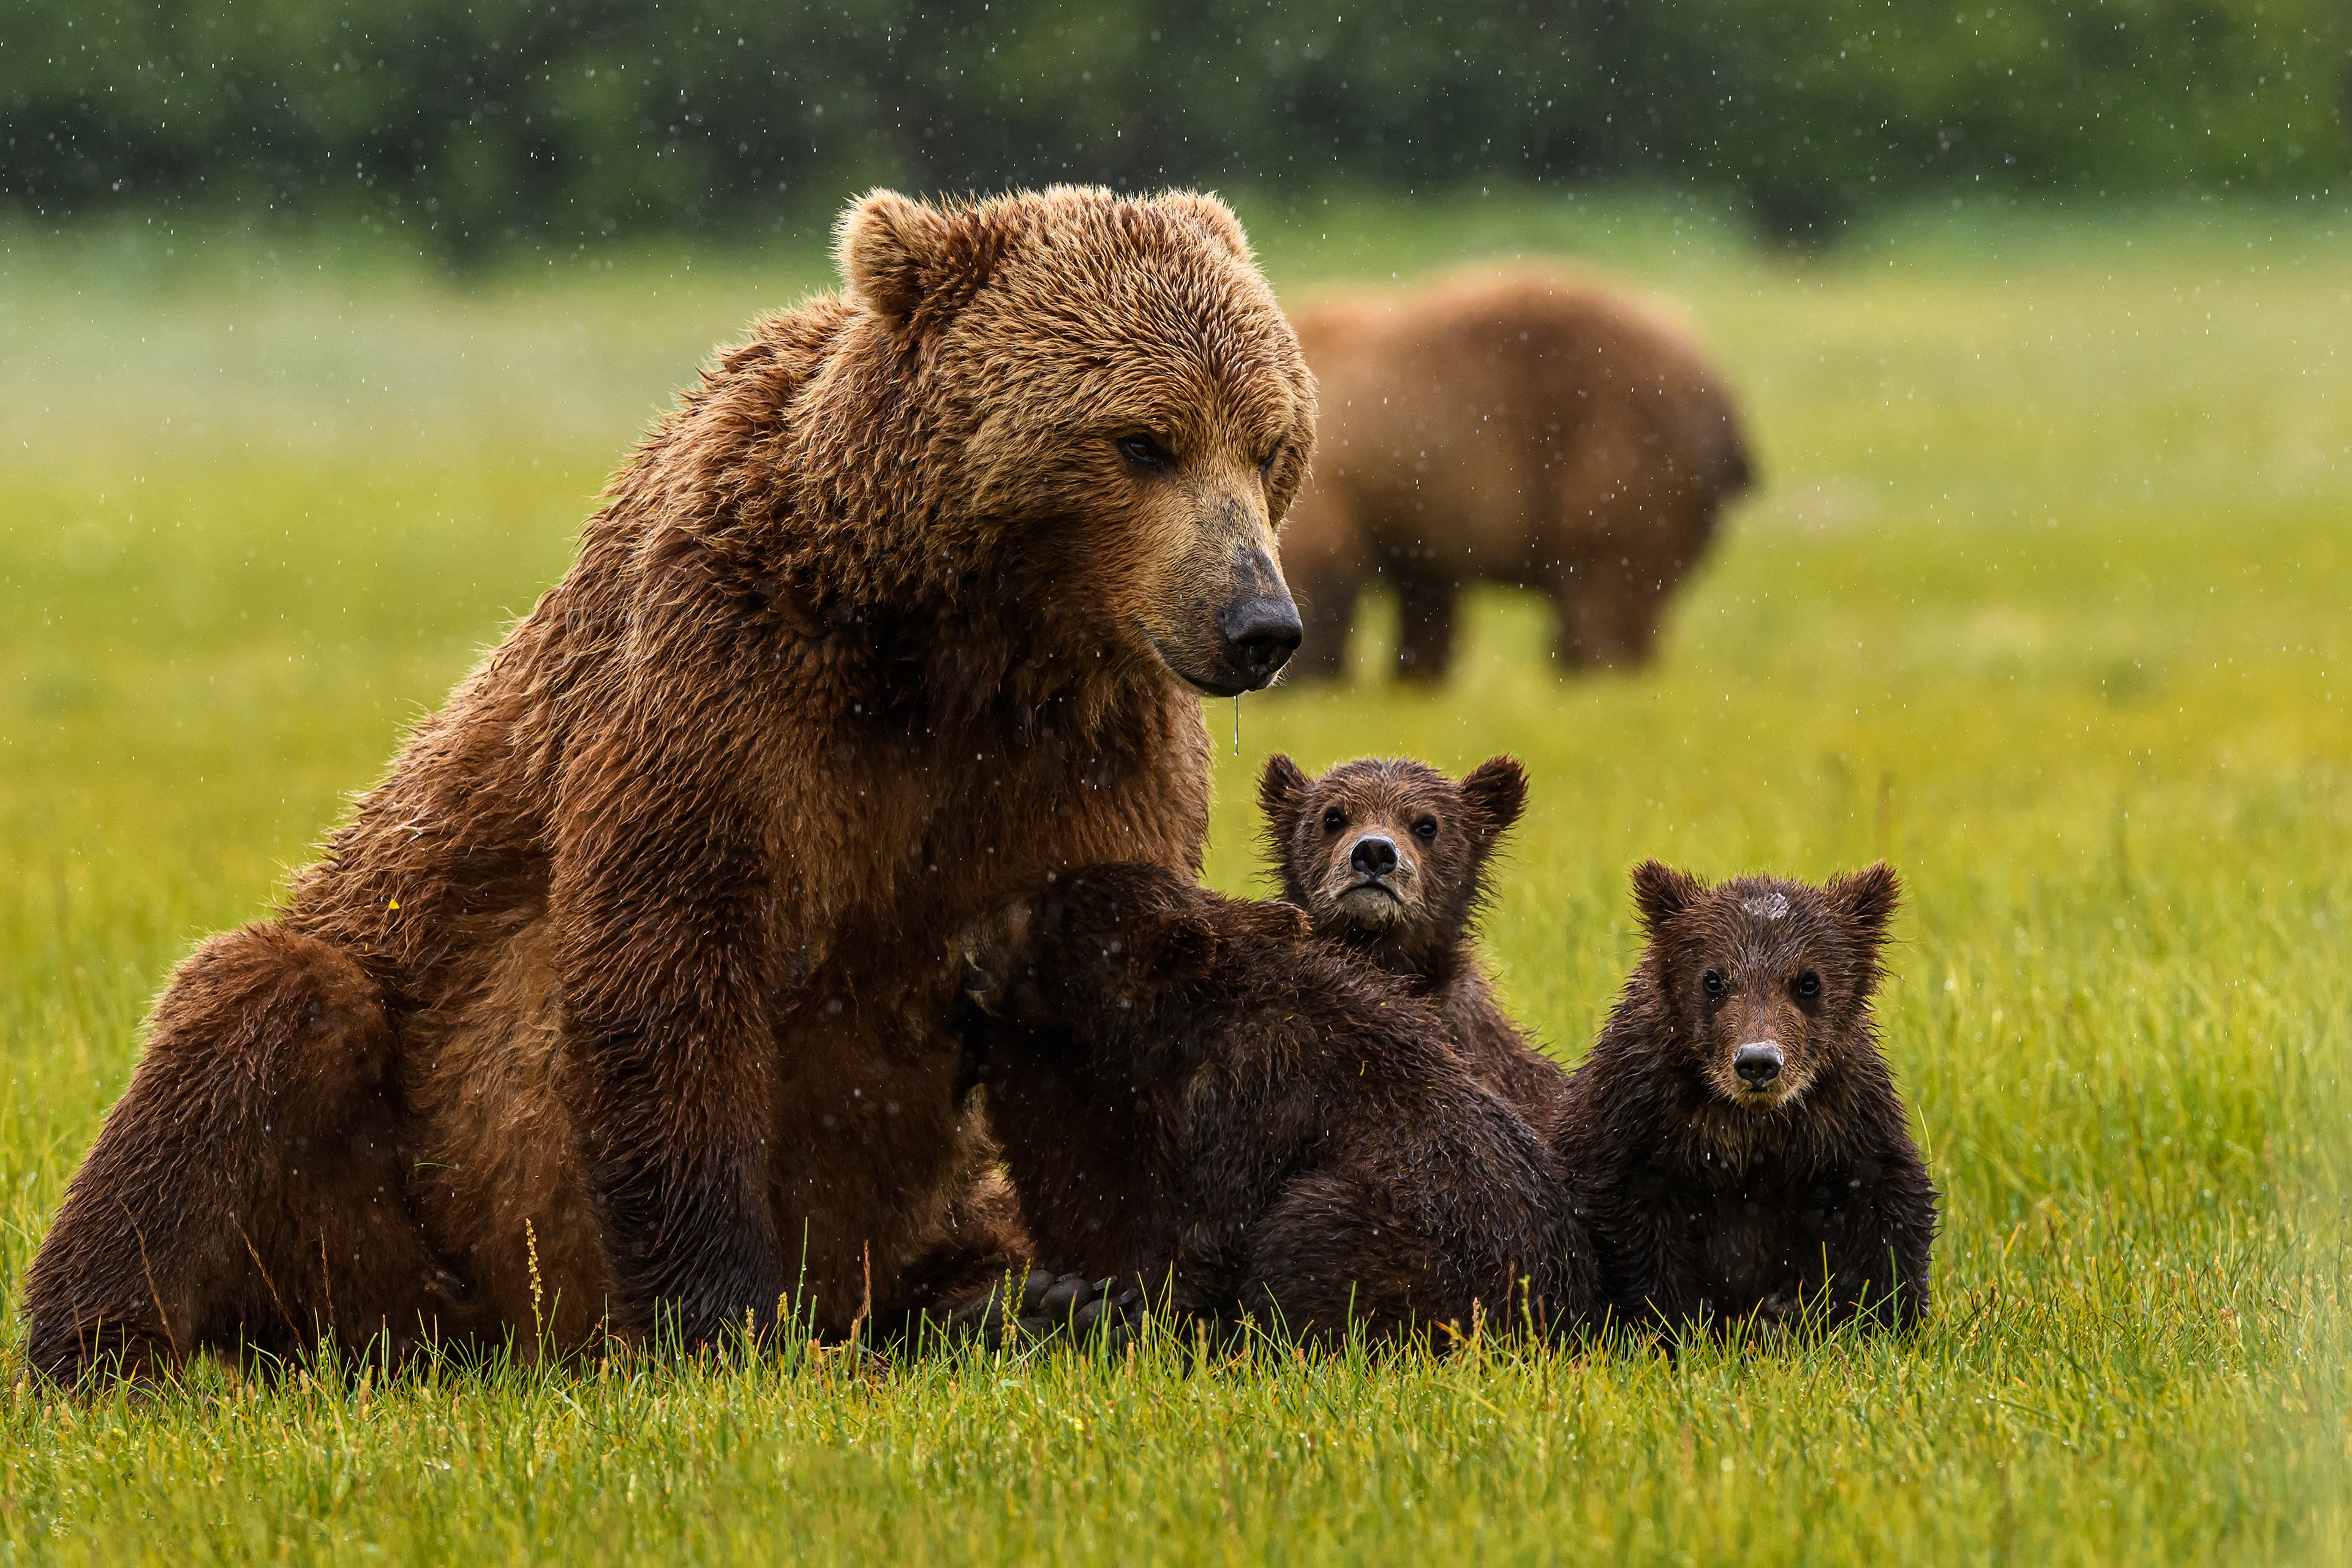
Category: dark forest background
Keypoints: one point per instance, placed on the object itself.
(480, 125)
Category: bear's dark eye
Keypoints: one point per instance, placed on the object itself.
(1145, 452)
(1334, 820)
(1713, 982)
(1266, 464)
(1806, 985)
(1426, 827)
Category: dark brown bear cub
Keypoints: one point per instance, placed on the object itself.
(1388, 856)
(1197, 1097)
(1735, 1133)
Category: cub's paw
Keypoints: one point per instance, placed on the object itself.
(1008, 1311)
(1111, 1322)
(1039, 1307)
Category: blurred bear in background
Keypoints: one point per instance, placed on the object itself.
(1541, 431)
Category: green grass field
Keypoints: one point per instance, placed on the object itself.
(2047, 598)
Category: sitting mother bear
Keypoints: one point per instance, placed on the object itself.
(623, 998)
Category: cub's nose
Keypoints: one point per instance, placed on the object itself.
(1757, 1065)
(1374, 856)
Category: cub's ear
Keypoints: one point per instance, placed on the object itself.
(911, 263)
(1496, 792)
(1865, 900)
(1660, 893)
(1184, 948)
(1213, 216)
(1282, 790)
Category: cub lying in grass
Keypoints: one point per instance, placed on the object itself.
(1734, 1139)
(1197, 1097)
(1735, 1133)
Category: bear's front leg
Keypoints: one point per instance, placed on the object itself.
(1877, 1241)
(664, 907)
(1652, 1250)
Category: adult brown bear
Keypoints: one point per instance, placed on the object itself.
(623, 997)
(1541, 431)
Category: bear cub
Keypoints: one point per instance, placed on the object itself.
(1735, 1133)
(1198, 1098)
(1388, 856)
(1714, 1177)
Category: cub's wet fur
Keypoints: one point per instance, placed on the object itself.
(1388, 856)
(1735, 1133)
(1195, 1095)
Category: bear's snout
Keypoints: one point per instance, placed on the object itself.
(983, 986)
(1758, 1064)
(1373, 856)
(993, 948)
(1257, 634)
(977, 982)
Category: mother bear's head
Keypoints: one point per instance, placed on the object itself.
(1099, 404)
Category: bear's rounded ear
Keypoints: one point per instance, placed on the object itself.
(881, 245)
(911, 263)
(1865, 900)
(1496, 792)
(1282, 788)
(1185, 948)
(1660, 893)
(1216, 219)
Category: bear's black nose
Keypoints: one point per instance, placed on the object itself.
(1260, 633)
(1374, 856)
(1757, 1065)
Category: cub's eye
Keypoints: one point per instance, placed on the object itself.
(1145, 452)
(1266, 464)
(1426, 827)
(1806, 985)
(1713, 982)
(1334, 820)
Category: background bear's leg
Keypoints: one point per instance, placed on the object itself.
(1327, 606)
(1684, 522)
(248, 1189)
(1632, 624)
(1579, 606)
(1424, 626)
(1641, 577)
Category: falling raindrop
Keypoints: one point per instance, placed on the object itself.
(1237, 725)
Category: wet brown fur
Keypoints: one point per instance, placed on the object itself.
(1712, 1200)
(1542, 431)
(1196, 1094)
(1417, 918)
(642, 954)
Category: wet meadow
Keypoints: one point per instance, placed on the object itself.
(2046, 597)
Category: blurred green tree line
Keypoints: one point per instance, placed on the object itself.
(483, 122)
